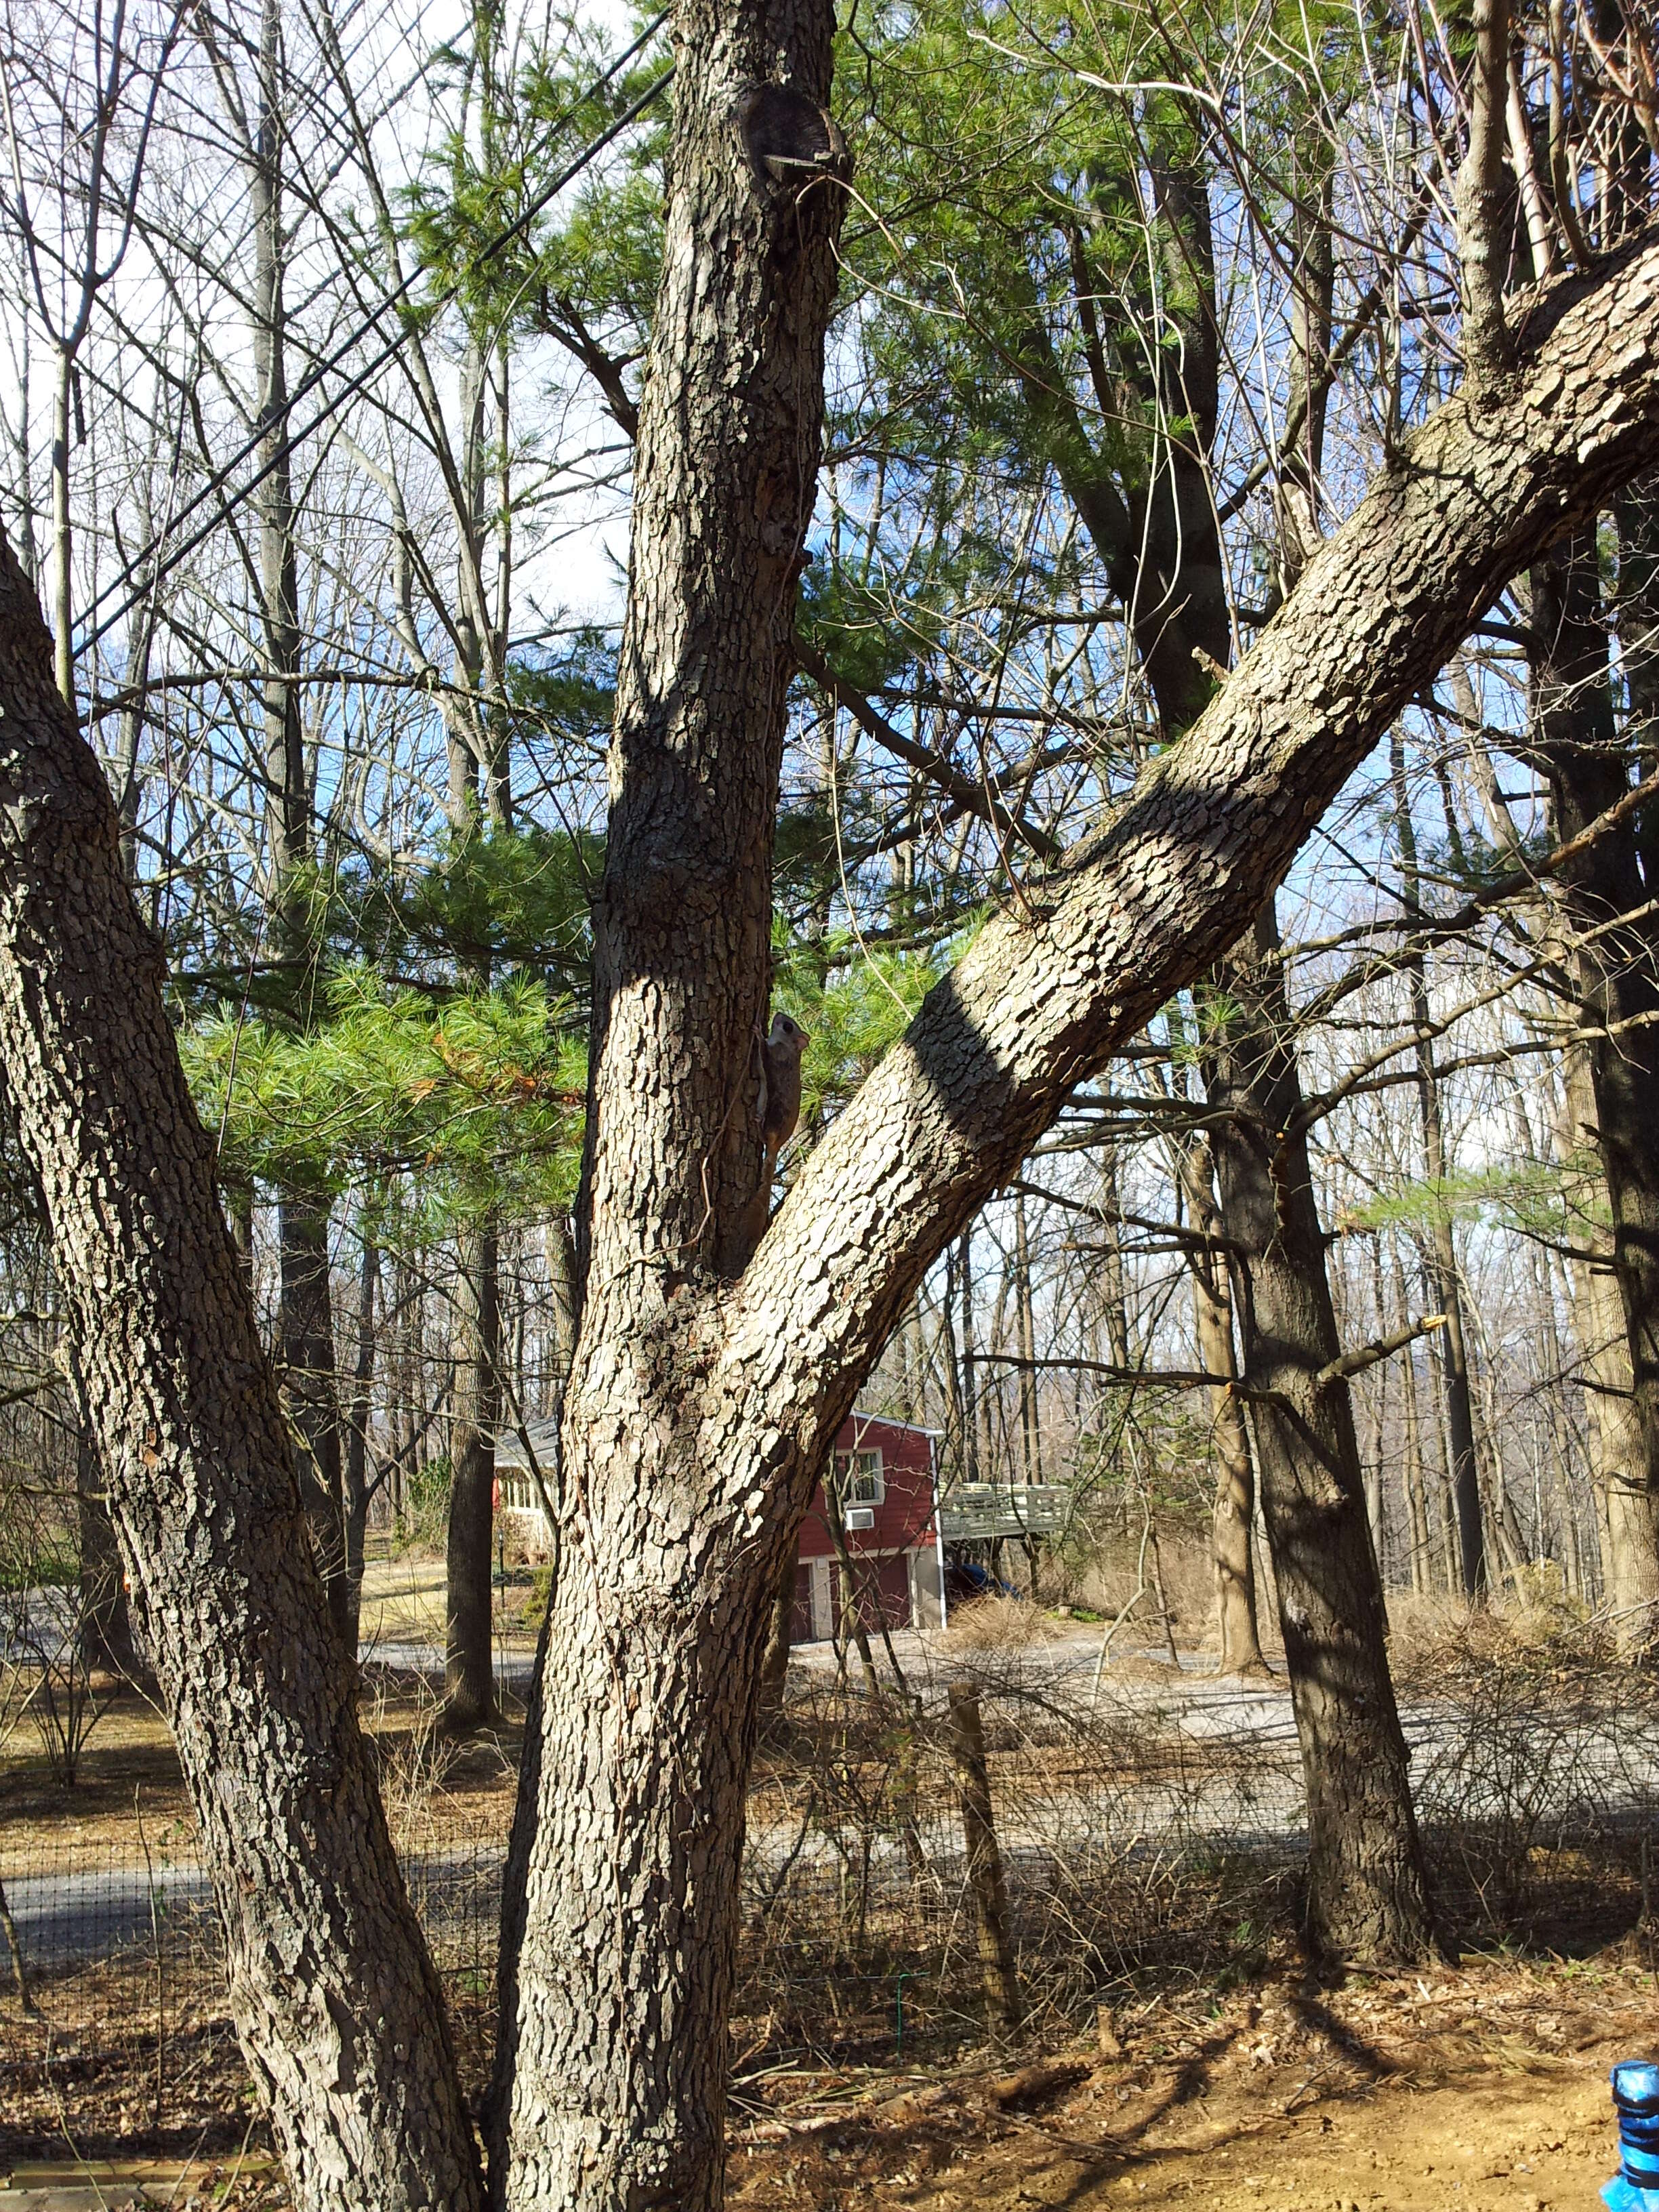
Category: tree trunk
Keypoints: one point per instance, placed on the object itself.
(1368, 1894)
(355, 1490)
(1030, 1432)
(1577, 745)
(62, 544)
(611, 2079)
(1416, 1494)
(304, 1336)
(1618, 1445)
(779, 1622)
(1637, 514)
(337, 2008)
(469, 1651)
(105, 1622)
(987, 1889)
(1447, 1293)
(1233, 1512)
(560, 1248)
(305, 1320)
(972, 1468)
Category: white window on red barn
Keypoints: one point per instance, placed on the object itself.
(859, 1478)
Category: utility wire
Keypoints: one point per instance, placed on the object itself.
(308, 383)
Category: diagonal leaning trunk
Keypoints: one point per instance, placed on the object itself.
(338, 2009)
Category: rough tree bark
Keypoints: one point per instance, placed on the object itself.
(700, 1410)
(1618, 1446)
(336, 2002)
(1233, 1517)
(106, 1622)
(304, 1341)
(1367, 1890)
(611, 2081)
(356, 1489)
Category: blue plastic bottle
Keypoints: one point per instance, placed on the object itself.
(1636, 2097)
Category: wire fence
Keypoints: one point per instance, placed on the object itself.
(851, 1952)
(1141, 1843)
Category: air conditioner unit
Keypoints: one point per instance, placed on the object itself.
(860, 1516)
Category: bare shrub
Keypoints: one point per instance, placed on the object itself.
(1133, 1851)
(64, 1704)
(16, 1670)
(414, 1759)
(1532, 1737)
(45, 1619)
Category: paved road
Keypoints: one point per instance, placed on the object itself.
(513, 1667)
(99, 1909)
(95, 1912)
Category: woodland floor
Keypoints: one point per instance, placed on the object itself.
(128, 1779)
(1482, 2087)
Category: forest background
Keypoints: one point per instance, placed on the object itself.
(331, 506)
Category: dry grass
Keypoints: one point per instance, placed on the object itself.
(130, 1772)
(996, 1623)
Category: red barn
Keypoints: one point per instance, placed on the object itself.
(882, 1476)
(882, 1486)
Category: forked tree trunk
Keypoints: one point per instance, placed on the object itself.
(1368, 1896)
(699, 1410)
(610, 2085)
(336, 2002)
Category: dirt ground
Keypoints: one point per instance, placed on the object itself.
(1482, 2088)
(404, 1603)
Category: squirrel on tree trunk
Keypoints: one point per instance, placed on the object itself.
(780, 1112)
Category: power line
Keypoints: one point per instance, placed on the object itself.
(332, 361)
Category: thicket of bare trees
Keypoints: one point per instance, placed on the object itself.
(1233, 566)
